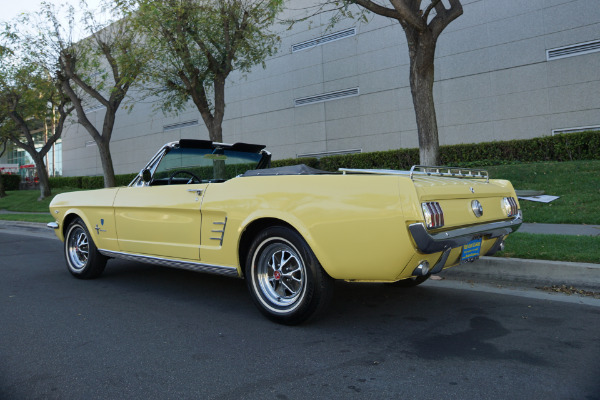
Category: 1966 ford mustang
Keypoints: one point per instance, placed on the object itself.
(289, 231)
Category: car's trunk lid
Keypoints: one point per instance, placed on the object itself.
(457, 197)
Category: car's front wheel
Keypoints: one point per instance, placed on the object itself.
(84, 261)
(284, 277)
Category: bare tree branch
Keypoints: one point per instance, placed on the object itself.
(378, 9)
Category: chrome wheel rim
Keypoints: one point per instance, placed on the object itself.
(78, 248)
(281, 274)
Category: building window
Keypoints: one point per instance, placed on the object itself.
(320, 98)
(576, 129)
(573, 50)
(309, 44)
(180, 125)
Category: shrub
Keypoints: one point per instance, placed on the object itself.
(65, 182)
(390, 159)
(92, 182)
(11, 182)
(125, 179)
(310, 161)
(562, 147)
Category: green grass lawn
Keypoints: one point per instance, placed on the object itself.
(552, 247)
(576, 182)
(26, 200)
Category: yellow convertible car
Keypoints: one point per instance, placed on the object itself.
(289, 231)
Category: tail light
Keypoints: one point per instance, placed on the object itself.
(509, 204)
(434, 216)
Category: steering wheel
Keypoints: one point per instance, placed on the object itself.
(183, 171)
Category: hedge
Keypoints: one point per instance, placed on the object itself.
(562, 147)
(88, 182)
(11, 182)
(311, 162)
(65, 182)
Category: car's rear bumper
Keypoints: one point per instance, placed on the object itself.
(432, 243)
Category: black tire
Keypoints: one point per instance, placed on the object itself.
(290, 292)
(84, 261)
(411, 282)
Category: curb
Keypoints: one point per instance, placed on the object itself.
(531, 272)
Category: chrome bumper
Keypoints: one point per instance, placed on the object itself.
(428, 244)
(52, 225)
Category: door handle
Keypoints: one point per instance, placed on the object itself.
(197, 191)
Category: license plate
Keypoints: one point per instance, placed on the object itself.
(470, 251)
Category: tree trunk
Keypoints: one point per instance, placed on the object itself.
(2, 191)
(107, 164)
(213, 121)
(103, 141)
(44, 180)
(421, 51)
(217, 126)
(215, 131)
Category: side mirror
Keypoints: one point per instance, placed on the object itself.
(146, 175)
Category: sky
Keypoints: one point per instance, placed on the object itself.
(12, 8)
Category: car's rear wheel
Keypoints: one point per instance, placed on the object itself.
(284, 277)
(84, 261)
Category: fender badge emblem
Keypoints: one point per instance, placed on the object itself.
(472, 190)
(98, 230)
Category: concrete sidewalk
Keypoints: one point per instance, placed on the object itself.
(560, 229)
(514, 271)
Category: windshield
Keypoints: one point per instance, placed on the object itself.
(207, 165)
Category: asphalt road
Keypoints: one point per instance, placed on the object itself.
(146, 332)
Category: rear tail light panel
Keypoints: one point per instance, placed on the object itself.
(510, 206)
(433, 213)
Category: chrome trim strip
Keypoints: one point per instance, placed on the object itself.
(53, 225)
(451, 172)
(188, 265)
(221, 231)
(428, 243)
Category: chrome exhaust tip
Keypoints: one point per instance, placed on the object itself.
(422, 269)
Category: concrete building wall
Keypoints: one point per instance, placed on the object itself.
(493, 82)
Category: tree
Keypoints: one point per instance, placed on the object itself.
(30, 101)
(96, 71)
(196, 45)
(3, 142)
(422, 26)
